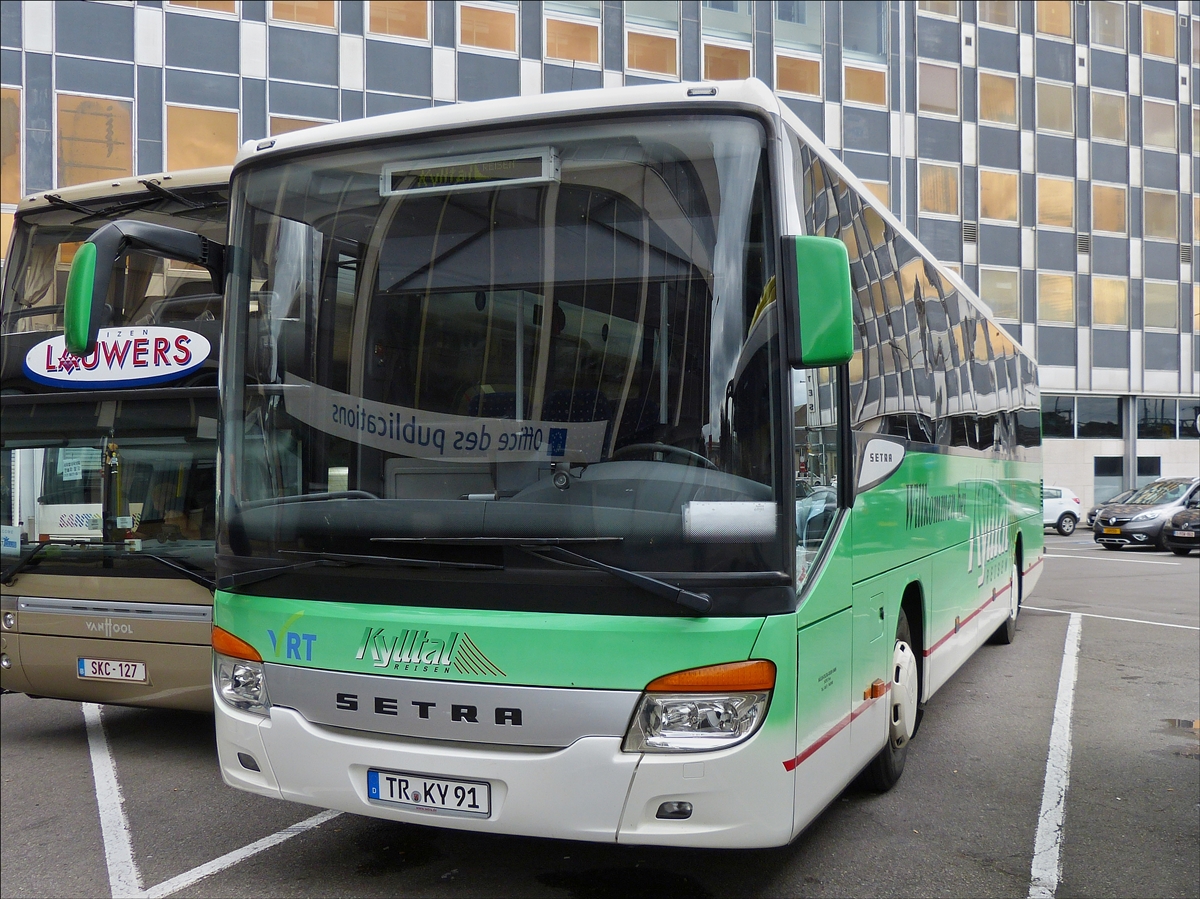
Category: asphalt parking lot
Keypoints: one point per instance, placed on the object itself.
(116, 801)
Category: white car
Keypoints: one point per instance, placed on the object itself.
(1060, 510)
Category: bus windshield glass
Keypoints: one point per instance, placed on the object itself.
(565, 333)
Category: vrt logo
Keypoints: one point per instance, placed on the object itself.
(292, 640)
(108, 627)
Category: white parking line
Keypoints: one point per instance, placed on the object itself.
(1186, 627)
(124, 879)
(1111, 559)
(1046, 869)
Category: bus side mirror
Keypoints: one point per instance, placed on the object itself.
(817, 301)
(91, 271)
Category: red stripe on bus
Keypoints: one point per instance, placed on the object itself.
(792, 764)
(928, 652)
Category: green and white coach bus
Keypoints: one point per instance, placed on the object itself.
(604, 465)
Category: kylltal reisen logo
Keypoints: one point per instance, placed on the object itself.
(123, 357)
(415, 651)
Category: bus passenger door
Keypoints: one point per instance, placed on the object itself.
(872, 648)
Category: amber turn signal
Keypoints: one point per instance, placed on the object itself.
(235, 647)
(732, 677)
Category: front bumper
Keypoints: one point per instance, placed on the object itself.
(1140, 533)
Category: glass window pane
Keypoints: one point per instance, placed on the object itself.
(197, 138)
(308, 12)
(1110, 304)
(211, 5)
(1162, 305)
(589, 8)
(1158, 124)
(653, 12)
(95, 139)
(573, 41)
(866, 86)
(10, 148)
(1196, 129)
(998, 12)
(1108, 208)
(879, 189)
(1054, 17)
(727, 18)
(1156, 419)
(284, 124)
(1056, 202)
(726, 63)
(1055, 107)
(1108, 23)
(494, 29)
(864, 32)
(939, 188)
(1056, 298)
(937, 89)
(651, 53)
(798, 24)
(1001, 291)
(1108, 116)
(1099, 416)
(1189, 419)
(1196, 42)
(799, 76)
(1058, 415)
(940, 7)
(997, 98)
(402, 18)
(998, 195)
(1162, 214)
(1158, 33)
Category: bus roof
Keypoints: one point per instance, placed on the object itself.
(102, 190)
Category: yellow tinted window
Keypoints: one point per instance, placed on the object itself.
(95, 139)
(197, 138)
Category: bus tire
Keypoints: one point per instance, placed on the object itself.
(1007, 632)
(885, 769)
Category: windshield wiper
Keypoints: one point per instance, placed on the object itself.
(165, 193)
(343, 560)
(307, 498)
(698, 603)
(19, 566)
(12, 570)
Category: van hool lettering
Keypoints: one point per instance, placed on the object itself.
(416, 652)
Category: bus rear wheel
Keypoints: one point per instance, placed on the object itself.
(1007, 632)
(885, 769)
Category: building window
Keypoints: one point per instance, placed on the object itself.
(1196, 42)
(939, 188)
(487, 28)
(95, 139)
(939, 7)
(1162, 214)
(937, 89)
(1158, 125)
(1001, 290)
(880, 190)
(655, 52)
(798, 24)
(998, 12)
(864, 29)
(1108, 116)
(1056, 298)
(1108, 208)
(10, 148)
(868, 86)
(1156, 419)
(997, 98)
(305, 12)
(1108, 24)
(1189, 417)
(1196, 218)
(1196, 129)
(1162, 305)
(723, 63)
(1158, 33)
(399, 18)
(1058, 415)
(998, 192)
(197, 138)
(572, 40)
(1055, 107)
(1056, 202)
(1110, 302)
(1054, 17)
(798, 75)
(225, 6)
(730, 19)
(1100, 416)
(285, 124)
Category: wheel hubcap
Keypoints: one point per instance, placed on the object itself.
(904, 695)
(1014, 600)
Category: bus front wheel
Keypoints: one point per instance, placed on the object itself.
(885, 769)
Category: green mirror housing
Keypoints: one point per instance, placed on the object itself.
(818, 309)
(85, 311)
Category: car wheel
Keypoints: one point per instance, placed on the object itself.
(1181, 552)
(1066, 524)
(885, 769)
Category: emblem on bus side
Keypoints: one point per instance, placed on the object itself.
(415, 651)
(124, 357)
(879, 460)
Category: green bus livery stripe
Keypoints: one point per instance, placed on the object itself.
(792, 764)
(995, 595)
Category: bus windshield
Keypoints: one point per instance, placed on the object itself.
(560, 334)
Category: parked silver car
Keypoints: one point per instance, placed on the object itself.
(1140, 519)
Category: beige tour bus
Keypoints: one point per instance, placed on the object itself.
(108, 467)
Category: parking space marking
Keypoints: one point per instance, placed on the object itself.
(1112, 559)
(1046, 869)
(1186, 627)
(124, 878)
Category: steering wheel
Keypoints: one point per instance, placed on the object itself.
(666, 449)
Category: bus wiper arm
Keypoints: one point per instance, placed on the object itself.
(192, 575)
(699, 603)
(343, 560)
(16, 567)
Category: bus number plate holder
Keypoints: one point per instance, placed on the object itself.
(465, 797)
(111, 669)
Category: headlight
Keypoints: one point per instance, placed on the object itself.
(1148, 516)
(703, 709)
(241, 684)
